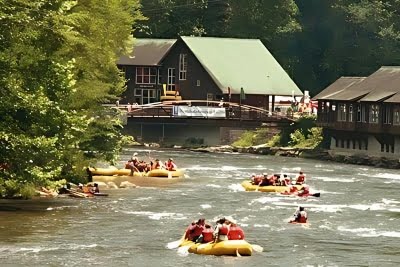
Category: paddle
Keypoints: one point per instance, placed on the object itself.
(257, 248)
(177, 243)
(183, 251)
(316, 194)
(237, 253)
(258, 186)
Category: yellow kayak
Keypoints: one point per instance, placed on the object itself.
(269, 188)
(229, 248)
(153, 173)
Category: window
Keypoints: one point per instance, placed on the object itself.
(350, 113)
(182, 66)
(396, 116)
(159, 81)
(171, 79)
(341, 112)
(146, 75)
(359, 113)
(387, 114)
(374, 114)
(198, 83)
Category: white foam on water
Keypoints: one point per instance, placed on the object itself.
(261, 225)
(213, 185)
(206, 206)
(369, 232)
(264, 200)
(394, 210)
(340, 180)
(236, 188)
(142, 198)
(390, 176)
(374, 206)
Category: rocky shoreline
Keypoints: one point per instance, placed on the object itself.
(320, 154)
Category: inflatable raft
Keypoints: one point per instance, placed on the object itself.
(229, 248)
(126, 172)
(137, 180)
(269, 188)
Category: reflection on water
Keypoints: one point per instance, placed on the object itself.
(354, 222)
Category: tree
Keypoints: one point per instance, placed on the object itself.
(55, 69)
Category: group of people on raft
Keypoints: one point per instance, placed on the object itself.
(136, 165)
(226, 228)
(277, 180)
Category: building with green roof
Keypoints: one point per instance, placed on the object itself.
(200, 68)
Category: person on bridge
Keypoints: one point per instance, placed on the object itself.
(170, 165)
(300, 216)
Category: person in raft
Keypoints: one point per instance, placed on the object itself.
(300, 216)
(207, 235)
(95, 188)
(304, 191)
(301, 178)
(235, 231)
(221, 230)
(195, 230)
(157, 164)
(170, 165)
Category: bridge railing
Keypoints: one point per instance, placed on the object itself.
(233, 110)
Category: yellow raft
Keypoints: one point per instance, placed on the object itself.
(137, 180)
(268, 188)
(229, 248)
(126, 172)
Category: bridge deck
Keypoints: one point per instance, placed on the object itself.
(233, 111)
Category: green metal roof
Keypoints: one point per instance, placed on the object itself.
(246, 63)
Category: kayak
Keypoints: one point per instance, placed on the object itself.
(268, 188)
(137, 180)
(286, 193)
(229, 248)
(126, 172)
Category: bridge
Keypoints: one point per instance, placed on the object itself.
(213, 122)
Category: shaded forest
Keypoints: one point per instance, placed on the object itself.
(316, 41)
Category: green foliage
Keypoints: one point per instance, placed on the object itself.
(310, 140)
(252, 138)
(57, 65)
(274, 141)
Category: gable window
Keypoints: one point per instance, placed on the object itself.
(171, 79)
(350, 113)
(182, 66)
(374, 113)
(341, 112)
(146, 75)
(396, 116)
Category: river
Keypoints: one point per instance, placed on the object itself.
(355, 222)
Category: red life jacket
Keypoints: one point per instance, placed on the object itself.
(235, 233)
(302, 217)
(300, 179)
(171, 166)
(196, 231)
(207, 235)
(223, 230)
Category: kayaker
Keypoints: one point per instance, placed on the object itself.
(221, 230)
(304, 191)
(301, 178)
(235, 231)
(170, 165)
(300, 216)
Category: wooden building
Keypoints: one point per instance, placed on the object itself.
(201, 68)
(362, 114)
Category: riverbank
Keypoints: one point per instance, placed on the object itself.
(320, 154)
